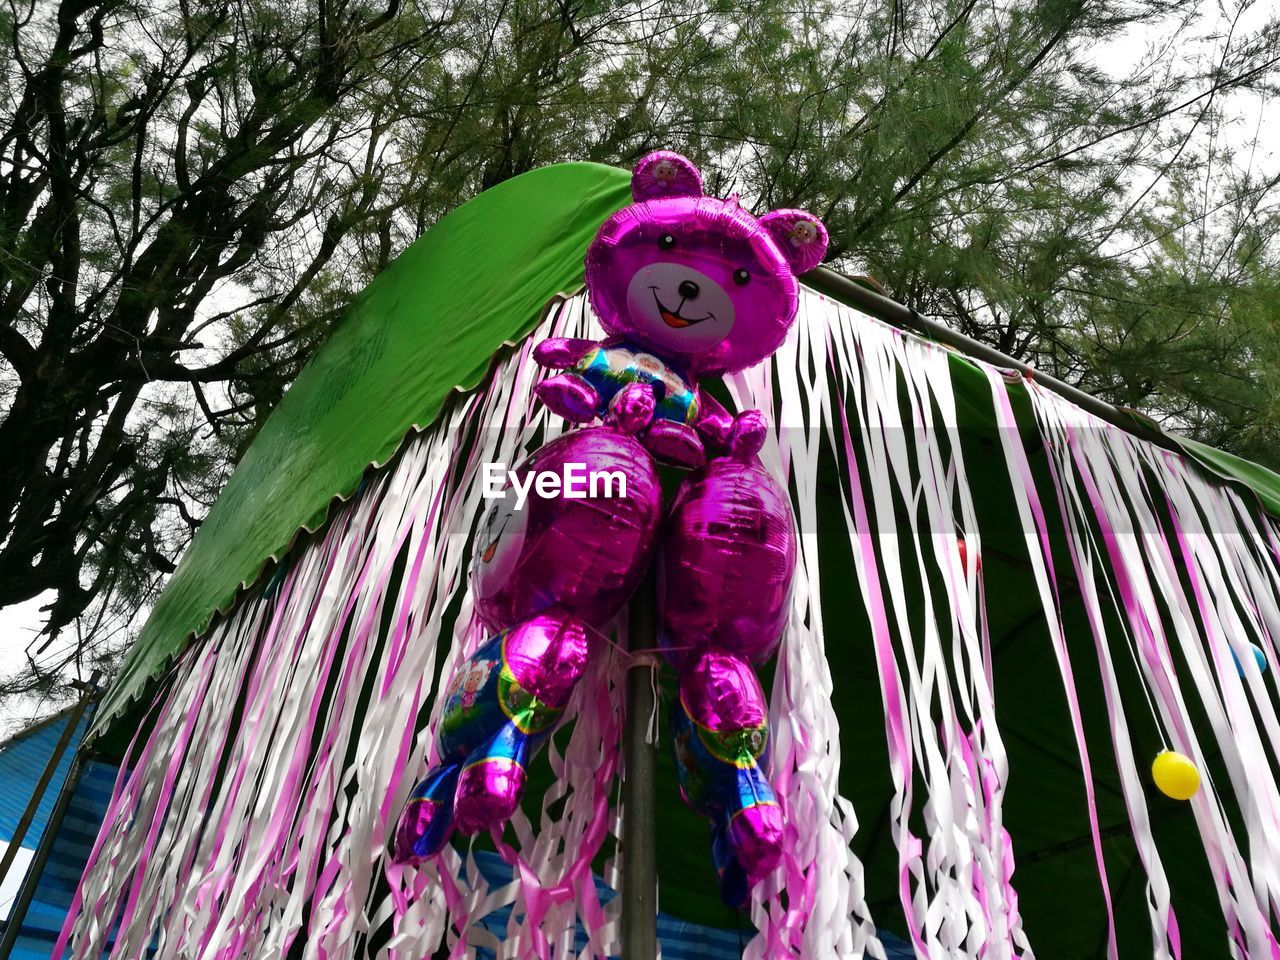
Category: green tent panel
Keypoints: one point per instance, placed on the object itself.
(428, 325)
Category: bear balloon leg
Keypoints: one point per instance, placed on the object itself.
(727, 557)
(502, 705)
(555, 570)
(720, 730)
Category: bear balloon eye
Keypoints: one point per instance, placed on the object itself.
(741, 277)
(666, 241)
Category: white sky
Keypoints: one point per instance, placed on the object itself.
(19, 625)
(11, 883)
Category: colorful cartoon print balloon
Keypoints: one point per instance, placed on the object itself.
(720, 735)
(502, 705)
(686, 285)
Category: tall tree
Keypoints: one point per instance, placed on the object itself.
(1007, 171)
(154, 157)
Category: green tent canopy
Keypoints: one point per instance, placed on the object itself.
(431, 324)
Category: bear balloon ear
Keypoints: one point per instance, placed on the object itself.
(799, 235)
(664, 174)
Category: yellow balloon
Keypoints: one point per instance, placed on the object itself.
(1175, 775)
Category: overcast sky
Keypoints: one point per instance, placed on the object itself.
(19, 625)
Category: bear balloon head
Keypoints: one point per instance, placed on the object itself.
(698, 279)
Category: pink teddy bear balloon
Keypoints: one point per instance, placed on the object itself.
(687, 286)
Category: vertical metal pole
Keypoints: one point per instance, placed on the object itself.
(639, 871)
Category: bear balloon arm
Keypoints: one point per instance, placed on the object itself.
(567, 394)
(570, 396)
(747, 437)
(559, 353)
(740, 437)
(714, 423)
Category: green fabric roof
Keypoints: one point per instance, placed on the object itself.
(432, 322)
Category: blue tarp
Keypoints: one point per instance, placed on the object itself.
(71, 848)
(22, 763)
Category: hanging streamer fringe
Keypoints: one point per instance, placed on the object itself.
(255, 816)
(955, 885)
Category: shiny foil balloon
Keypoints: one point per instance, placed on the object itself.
(720, 735)
(726, 560)
(698, 279)
(727, 556)
(687, 285)
(582, 550)
(612, 367)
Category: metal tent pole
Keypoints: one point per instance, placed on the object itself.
(639, 894)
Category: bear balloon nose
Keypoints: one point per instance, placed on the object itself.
(688, 289)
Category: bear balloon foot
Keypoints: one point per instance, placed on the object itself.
(632, 408)
(427, 821)
(492, 783)
(675, 443)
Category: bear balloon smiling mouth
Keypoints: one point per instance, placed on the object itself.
(673, 318)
